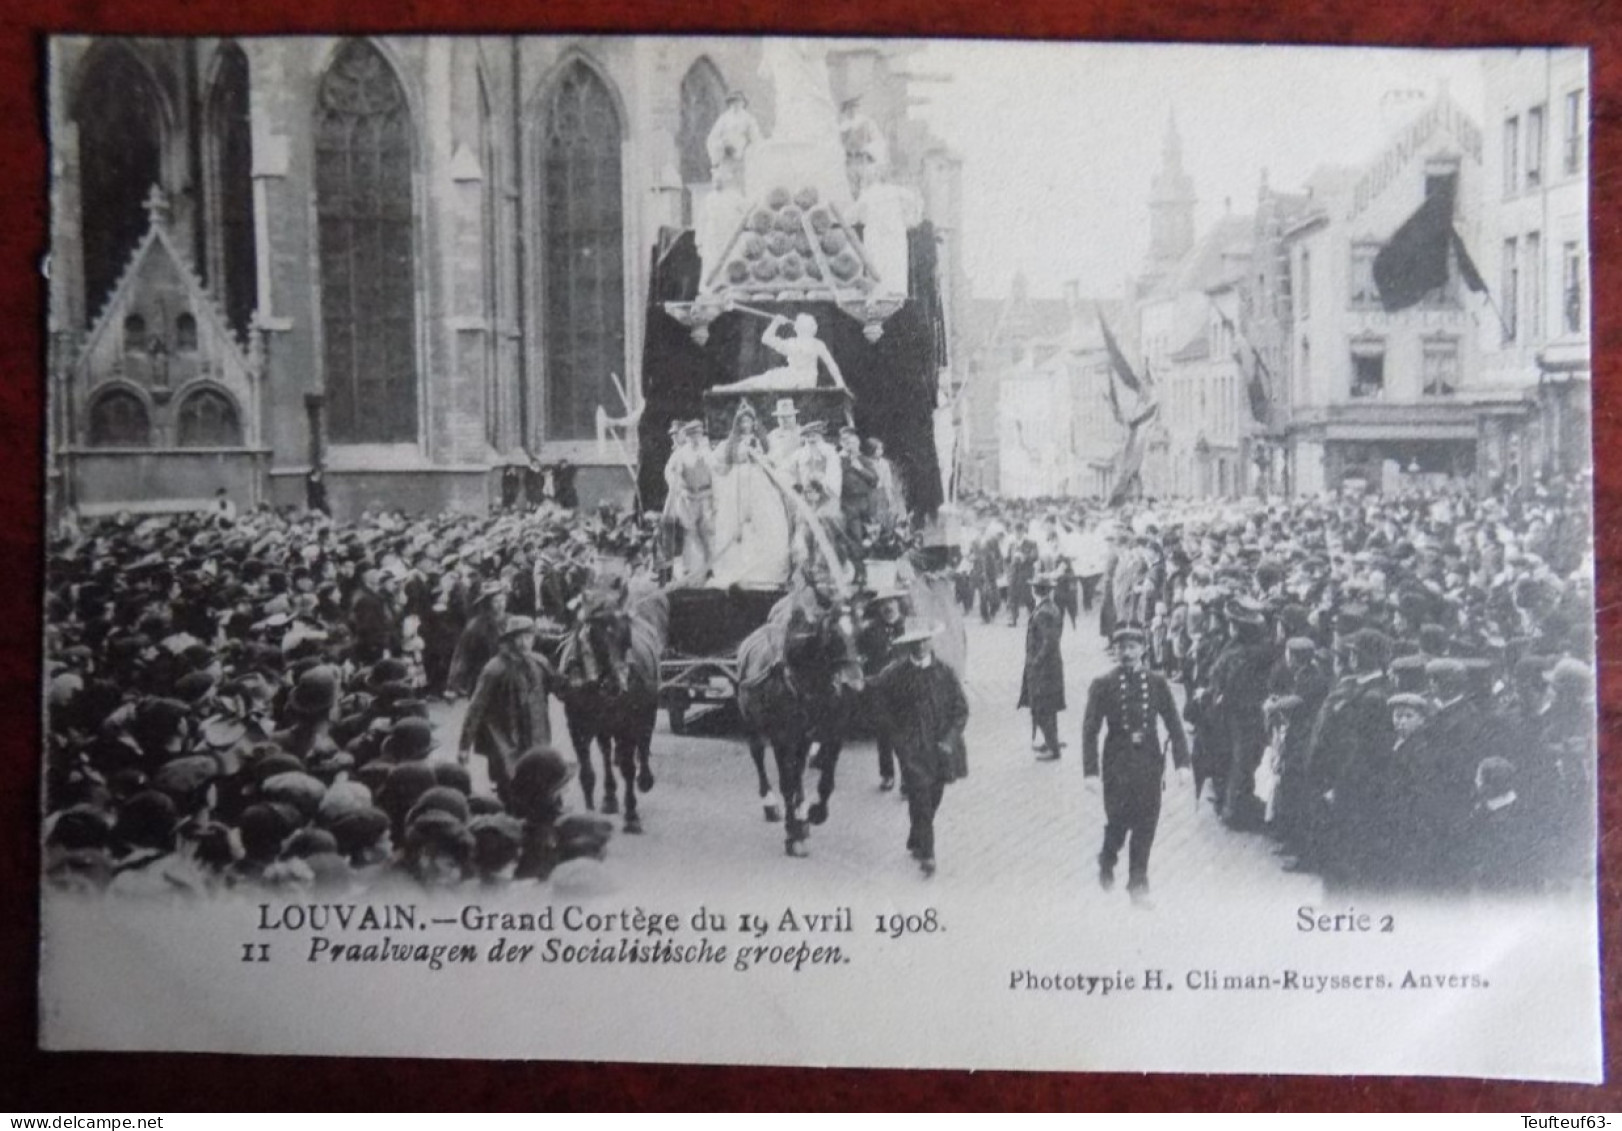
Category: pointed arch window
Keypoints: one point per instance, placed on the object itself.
(118, 419)
(703, 98)
(119, 111)
(208, 419)
(234, 273)
(364, 208)
(583, 265)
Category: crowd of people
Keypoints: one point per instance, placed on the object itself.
(1397, 688)
(241, 701)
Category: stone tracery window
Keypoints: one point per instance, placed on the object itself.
(583, 268)
(703, 98)
(118, 419)
(119, 112)
(208, 419)
(364, 206)
(230, 167)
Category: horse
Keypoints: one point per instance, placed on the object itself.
(797, 678)
(609, 668)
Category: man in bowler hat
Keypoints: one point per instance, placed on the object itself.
(923, 707)
(1130, 701)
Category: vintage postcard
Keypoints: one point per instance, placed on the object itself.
(829, 552)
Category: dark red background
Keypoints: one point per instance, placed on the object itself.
(30, 1079)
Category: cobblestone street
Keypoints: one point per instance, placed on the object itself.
(1014, 823)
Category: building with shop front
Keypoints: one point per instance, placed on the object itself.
(1535, 257)
(407, 260)
(1379, 398)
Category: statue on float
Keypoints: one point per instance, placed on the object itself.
(886, 212)
(802, 352)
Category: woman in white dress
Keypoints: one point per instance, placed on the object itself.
(751, 519)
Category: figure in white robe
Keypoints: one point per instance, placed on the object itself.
(734, 134)
(690, 502)
(867, 153)
(801, 351)
(886, 212)
(752, 529)
(804, 150)
(803, 102)
(721, 214)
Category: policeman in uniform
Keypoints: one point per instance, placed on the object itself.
(1129, 699)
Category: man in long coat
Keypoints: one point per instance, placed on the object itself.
(479, 638)
(1132, 702)
(372, 619)
(1441, 759)
(876, 644)
(507, 716)
(923, 707)
(1238, 689)
(1042, 688)
(1296, 692)
(1347, 755)
(1021, 572)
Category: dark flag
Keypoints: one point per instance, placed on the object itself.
(1414, 261)
(1115, 401)
(1117, 359)
(1255, 386)
(1129, 463)
(1467, 266)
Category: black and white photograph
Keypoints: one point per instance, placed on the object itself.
(829, 551)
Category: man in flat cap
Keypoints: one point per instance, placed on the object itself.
(508, 713)
(1132, 703)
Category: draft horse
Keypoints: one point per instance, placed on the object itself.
(797, 682)
(609, 668)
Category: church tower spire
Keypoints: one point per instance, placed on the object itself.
(1171, 204)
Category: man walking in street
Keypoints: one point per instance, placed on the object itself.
(508, 715)
(1042, 688)
(1129, 700)
(923, 706)
(876, 644)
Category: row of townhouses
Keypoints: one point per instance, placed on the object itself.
(1276, 366)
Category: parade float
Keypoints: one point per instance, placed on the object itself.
(804, 299)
